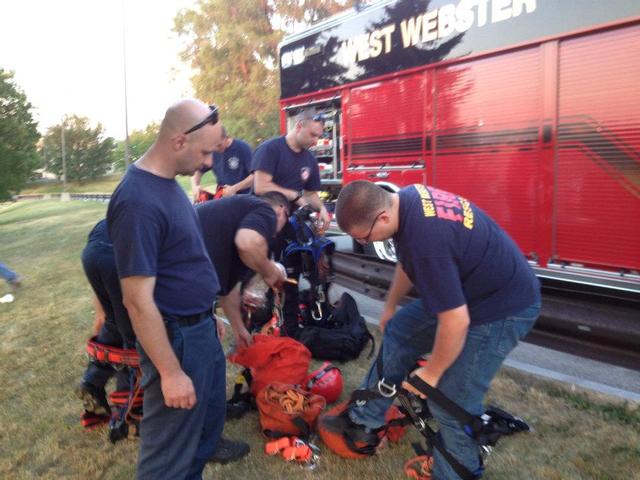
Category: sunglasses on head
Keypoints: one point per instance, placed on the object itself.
(212, 118)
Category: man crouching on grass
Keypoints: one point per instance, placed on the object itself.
(169, 286)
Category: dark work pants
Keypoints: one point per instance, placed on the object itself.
(100, 268)
(176, 443)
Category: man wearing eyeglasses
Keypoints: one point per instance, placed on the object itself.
(284, 164)
(231, 166)
(169, 286)
(478, 298)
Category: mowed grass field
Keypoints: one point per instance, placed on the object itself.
(105, 185)
(42, 336)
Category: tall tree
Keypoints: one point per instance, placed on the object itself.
(233, 48)
(18, 137)
(89, 154)
(139, 142)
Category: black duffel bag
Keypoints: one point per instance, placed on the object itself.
(340, 335)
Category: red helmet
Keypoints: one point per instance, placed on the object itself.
(325, 381)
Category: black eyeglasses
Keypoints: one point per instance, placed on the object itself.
(366, 239)
(212, 118)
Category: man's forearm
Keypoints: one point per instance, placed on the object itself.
(195, 182)
(256, 259)
(451, 334)
(242, 184)
(268, 186)
(400, 287)
(231, 307)
(314, 199)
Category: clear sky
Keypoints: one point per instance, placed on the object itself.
(67, 57)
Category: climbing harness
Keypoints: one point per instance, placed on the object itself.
(128, 403)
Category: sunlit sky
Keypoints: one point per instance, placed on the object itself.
(67, 56)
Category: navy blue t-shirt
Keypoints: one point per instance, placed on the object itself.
(294, 170)
(220, 220)
(233, 165)
(156, 233)
(455, 254)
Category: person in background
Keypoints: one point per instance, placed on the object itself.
(231, 165)
(112, 325)
(284, 164)
(12, 278)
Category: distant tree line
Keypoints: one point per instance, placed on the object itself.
(232, 47)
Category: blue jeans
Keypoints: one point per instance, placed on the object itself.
(409, 335)
(176, 443)
(99, 266)
(6, 273)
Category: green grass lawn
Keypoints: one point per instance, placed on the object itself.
(104, 185)
(42, 336)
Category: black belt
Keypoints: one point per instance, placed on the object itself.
(189, 320)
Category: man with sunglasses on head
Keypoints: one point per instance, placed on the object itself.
(169, 286)
(284, 164)
(478, 298)
(231, 165)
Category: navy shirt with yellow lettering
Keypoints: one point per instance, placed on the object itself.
(455, 254)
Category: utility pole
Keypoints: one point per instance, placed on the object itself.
(64, 157)
(124, 70)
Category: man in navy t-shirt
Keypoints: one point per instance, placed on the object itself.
(169, 286)
(285, 164)
(478, 297)
(231, 166)
(237, 232)
(112, 325)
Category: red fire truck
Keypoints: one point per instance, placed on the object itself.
(529, 108)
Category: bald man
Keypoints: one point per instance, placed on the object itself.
(169, 286)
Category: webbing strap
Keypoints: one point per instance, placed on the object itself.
(434, 440)
(464, 418)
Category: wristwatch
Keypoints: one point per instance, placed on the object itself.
(299, 196)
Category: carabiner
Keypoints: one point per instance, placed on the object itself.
(388, 391)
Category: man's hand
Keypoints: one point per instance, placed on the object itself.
(228, 191)
(178, 391)
(324, 220)
(276, 276)
(426, 375)
(99, 316)
(195, 193)
(385, 316)
(98, 322)
(220, 328)
(242, 337)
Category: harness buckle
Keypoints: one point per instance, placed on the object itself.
(316, 313)
(386, 390)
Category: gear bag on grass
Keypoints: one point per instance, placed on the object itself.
(341, 336)
(274, 360)
(287, 410)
